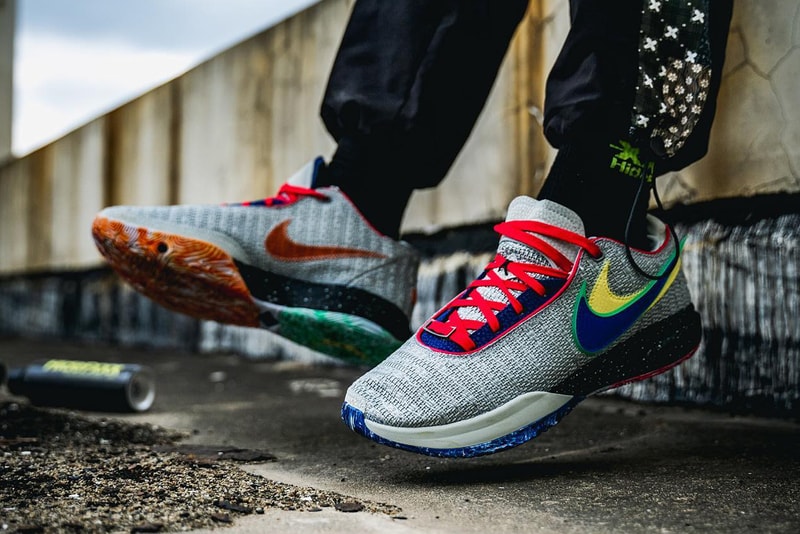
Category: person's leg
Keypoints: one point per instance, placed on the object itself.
(588, 97)
(568, 307)
(407, 85)
(607, 114)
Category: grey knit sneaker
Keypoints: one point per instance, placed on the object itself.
(554, 318)
(305, 264)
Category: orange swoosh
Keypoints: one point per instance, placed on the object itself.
(281, 246)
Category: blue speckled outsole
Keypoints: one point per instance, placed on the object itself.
(354, 418)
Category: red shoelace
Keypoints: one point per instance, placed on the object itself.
(287, 194)
(458, 329)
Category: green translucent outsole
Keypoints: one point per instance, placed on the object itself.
(338, 335)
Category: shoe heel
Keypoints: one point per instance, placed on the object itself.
(183, 274)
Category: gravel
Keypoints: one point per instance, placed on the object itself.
(64, 472)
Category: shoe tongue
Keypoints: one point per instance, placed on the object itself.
(529, 209)
(548, 212)
(307, 176)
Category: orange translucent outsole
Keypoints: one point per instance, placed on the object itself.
(183, 274)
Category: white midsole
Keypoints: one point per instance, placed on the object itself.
(503, 420)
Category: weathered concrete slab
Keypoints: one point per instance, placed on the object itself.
(78, 192)
(8, 15)
(610, 467)
(142, 138)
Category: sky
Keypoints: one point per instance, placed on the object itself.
(77, 59)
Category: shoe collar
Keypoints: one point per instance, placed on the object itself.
(308, 174)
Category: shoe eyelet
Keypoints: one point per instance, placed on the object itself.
(600, 257)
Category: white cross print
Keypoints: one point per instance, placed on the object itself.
(698, 16)
(655, 5)
(650, 44)
(691, 57)
(648, 81)
(642, 121)
(663, 108)
(671, 32)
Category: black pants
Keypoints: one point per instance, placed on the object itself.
(411, 76)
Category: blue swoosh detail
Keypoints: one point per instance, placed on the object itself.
(594, 332)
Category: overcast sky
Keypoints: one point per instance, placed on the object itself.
(76, 59)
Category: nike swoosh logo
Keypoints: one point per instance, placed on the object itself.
(281, 246)
(603, 316)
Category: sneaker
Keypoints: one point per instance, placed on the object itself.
(305, 264)
(554, 318)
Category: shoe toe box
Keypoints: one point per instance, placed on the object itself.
(413, 388)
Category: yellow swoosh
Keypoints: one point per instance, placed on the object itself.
(671, 279)
(604, 301)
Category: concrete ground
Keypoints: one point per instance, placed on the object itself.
(611, 466)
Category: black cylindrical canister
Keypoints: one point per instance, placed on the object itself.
(96, 386)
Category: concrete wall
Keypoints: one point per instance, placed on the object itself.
(7, 24)
(237, 125)
(756, 136)
(48, 200)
